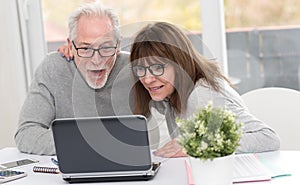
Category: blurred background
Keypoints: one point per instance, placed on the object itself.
(262, 36)
(238, 14)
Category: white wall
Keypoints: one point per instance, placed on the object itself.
(19, 56)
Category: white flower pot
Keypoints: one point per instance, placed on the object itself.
(219, 171)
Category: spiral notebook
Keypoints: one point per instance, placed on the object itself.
(44, 169)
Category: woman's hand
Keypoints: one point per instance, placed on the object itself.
(171, 149)
(66, 52)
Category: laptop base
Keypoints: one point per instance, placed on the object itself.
(155, 168)
(108, 179)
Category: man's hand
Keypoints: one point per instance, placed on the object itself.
(171, 149)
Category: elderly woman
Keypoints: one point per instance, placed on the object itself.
(174, 80)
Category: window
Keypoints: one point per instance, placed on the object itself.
(257, 55)
(183, 12)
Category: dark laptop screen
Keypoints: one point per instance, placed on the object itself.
(106, 144)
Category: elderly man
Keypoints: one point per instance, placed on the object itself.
(95, 83)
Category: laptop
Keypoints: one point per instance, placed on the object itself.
(95, 149)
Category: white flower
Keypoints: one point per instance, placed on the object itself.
(219, 139)
(203, 145)
(201, 128)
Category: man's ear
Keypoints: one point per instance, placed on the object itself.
(69, 42)
(70, 46)
(119, 47)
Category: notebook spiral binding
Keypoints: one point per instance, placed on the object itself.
(41, 169)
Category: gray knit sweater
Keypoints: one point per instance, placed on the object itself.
(59, 91)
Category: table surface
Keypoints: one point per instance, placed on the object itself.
(172, 171)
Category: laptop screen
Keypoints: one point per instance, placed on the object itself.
(103, 144)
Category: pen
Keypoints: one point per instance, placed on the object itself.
(189, 173)
(54, 161)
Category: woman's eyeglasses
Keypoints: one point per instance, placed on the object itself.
(154, 69)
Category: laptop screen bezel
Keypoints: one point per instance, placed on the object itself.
(64, 146)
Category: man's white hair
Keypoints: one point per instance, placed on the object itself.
(92, 9)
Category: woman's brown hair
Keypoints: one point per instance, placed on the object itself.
(167, 41)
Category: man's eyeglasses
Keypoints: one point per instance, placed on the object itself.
(87, 52)
(154, 69)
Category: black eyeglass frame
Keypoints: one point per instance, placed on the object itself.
(163, 66)
(98, 50)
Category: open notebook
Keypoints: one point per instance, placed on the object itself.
(248, 168)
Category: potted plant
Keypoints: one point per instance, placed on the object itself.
(210, 137)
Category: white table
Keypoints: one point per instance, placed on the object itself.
(173, 171)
